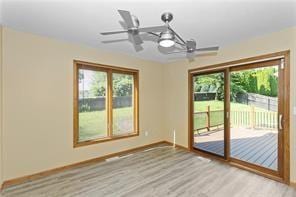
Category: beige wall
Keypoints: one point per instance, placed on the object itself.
(176, 82)
(38, 102)
(1, 105)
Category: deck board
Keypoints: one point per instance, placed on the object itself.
(257, 147)
(253, 157)
(268, 161)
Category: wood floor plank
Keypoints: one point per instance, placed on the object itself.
(163, 171)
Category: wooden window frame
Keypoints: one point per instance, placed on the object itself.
(109, 71)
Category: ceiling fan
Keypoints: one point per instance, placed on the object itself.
(167, 37)
(132, 24)
(191, 48)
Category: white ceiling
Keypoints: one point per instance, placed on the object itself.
(210, 22)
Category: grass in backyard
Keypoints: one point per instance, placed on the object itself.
(216, 118)
(93, 124)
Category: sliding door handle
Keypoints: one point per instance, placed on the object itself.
(280, 121)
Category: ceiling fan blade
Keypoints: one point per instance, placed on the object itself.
(174, 52)
(114, 41)
(136, 39)
(138, 48)
(132, 38)
(114, 32)
(126, 15)
(208, 49)
(153, 29)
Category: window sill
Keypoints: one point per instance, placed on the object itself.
(96, 141)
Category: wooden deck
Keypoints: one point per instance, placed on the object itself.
(253, 146)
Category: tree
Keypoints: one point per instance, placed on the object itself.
(236, 86)
(267, 81)
(262, 81)
(211, 83)
(122, 85)
(252, 85)
(273, 82)
(98, 84)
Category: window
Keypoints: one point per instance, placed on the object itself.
(105, 103)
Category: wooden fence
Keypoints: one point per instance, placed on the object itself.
(238, 118)
(258, 100)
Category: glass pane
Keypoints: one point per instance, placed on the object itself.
(123, 103)
(253, 116)
(92, 104)
(209, 113)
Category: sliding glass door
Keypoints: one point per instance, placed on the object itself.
(208, 113)
(237, 114)
(255, 112)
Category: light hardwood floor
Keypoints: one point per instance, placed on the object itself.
(160, 171)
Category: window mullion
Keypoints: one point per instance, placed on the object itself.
(110, 103)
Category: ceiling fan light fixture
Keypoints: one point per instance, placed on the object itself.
(167, 39)
(166, 43)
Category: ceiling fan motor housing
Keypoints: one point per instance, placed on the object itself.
(191, 45)
(167, 35)
(167, 38)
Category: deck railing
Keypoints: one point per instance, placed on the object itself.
(254, 119)
(249, 118)
(207, 119)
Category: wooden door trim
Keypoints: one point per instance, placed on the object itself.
(243, 61)
(281, 108)
(286, 131)
(268, 63)
(261, 64)
(190, 111)
(285, 174)
(257, 171)
(227, 114)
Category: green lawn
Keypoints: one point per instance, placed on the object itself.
(94, 124)
(200, 120)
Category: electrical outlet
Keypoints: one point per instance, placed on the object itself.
(146, 133)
